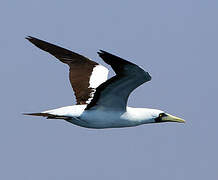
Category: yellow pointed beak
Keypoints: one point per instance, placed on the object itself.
(171, 118)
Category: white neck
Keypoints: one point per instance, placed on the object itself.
(141, 115)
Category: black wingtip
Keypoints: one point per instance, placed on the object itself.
(33, 39)
(100, 52)
(29, 38)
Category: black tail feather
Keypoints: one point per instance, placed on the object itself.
(47, 115)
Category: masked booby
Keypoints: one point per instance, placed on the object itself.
(101, 103)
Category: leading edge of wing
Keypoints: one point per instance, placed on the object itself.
(122, 66)
(64, 55)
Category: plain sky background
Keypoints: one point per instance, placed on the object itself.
(175, 41)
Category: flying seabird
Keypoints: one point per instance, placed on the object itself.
(101, 103)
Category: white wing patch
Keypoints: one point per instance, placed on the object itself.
(98, 76)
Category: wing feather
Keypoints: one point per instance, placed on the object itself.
(80, 72)
(113, 94)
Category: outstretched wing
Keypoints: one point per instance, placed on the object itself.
(85, 75)
(113, 94)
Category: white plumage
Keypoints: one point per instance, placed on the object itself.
(106, 119)
(98, 76)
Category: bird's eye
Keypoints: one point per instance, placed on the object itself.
(161, 114)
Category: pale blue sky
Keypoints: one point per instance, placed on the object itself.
(175, 41)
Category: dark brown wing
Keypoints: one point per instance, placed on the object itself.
(81, 69)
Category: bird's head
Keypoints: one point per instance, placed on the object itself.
(160, 116)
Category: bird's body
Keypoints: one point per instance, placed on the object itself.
(105, 119)
(101, 103)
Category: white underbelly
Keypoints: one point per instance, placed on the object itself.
(106, 119)
(99, 119)
(95, 118)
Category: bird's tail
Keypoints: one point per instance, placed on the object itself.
(47, 115)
